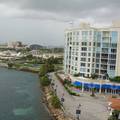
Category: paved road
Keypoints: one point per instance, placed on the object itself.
(91, 109)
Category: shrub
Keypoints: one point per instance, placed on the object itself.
(114, 96)
(71, 92)
(79, 87)
(93, 92)
(45, 81)
(67, 82)
(94, 76)
(115, 79)
(10, 65)
(55, 101)
(115, 115)
(76, 75)
(43, 70)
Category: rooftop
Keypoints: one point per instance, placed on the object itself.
(115, 103)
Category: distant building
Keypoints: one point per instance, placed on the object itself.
(3, 45)
(90, 50)
(38, 53)
(10, 54)
(16, 45)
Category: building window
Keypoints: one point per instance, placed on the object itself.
(98, 44)
(113, 50)
(83, 54)
(77, 33)
(75, 69)
(105, 50)
(112, 61)
(89, 48)
(84, 43)
(112, 56)
(114, 36)
(98, 55)
(93, 43)
(112, 67)
(97, 65)
(114, 45)
(88, 65)
(83, 59)
(84, 49)
(89, 54)
(73, 33)
(88, 59)
(83, 64)
(82, 69)
(90, 32)
(77, 43)
(76, 58)
(105, 45)
(77, 53)
(84, 33)
(89, 43)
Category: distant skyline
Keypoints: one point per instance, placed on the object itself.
(43, 21)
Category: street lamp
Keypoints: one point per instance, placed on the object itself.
(56, 89)
(52, 83)
(62, 100)
(119, 116)
(78, 112)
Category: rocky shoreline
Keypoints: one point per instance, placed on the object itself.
(3, 65)
(55, 114)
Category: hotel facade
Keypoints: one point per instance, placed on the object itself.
(90, 50)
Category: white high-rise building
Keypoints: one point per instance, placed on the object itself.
(90, 50)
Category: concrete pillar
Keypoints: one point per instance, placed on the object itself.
(82, 86)
(100, 90)
(111, 91)
(105, 91)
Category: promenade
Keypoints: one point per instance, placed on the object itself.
(92, 108)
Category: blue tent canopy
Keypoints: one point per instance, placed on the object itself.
(91, 85)
(77, 83)
(86, 85)
(106, 86)
(97, 86)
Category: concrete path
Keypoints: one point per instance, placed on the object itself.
(91, 109)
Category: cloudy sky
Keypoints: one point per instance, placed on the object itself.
(44, 21)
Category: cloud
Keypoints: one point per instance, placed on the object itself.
(64, 10)
(6, 11)
(44, 21)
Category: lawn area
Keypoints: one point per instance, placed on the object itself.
(58, 66)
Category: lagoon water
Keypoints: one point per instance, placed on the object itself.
(20, 96)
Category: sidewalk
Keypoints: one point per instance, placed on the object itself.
(91, 109)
